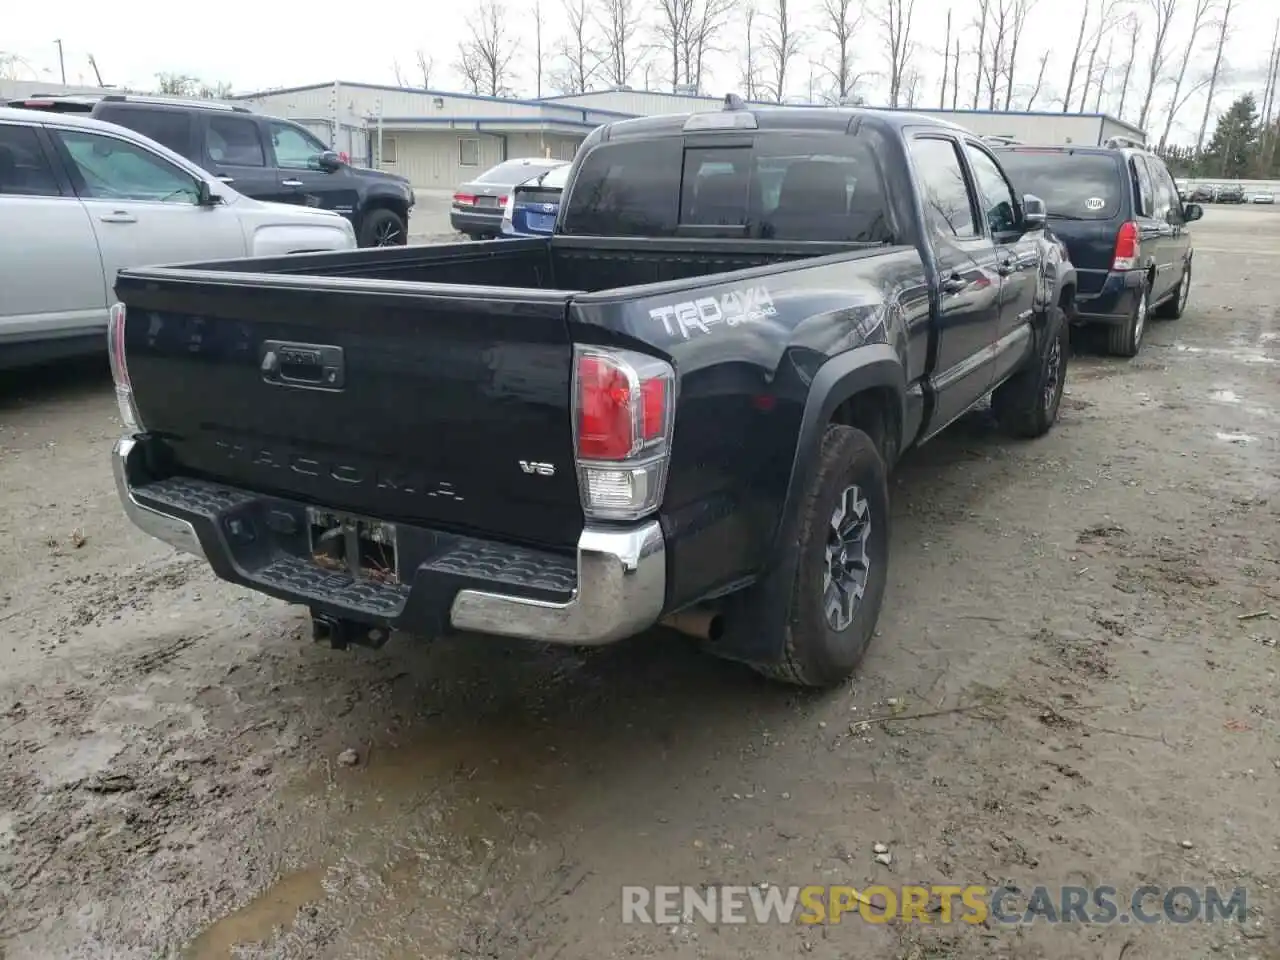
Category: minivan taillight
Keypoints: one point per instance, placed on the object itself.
(1128, 247)
(623, 417)
(120, 370)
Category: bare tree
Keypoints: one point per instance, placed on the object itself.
(955, 77)
(840, 20)
(946, 54)
(895, 19)
(426, 64)
(1163, 11)
(1200, 16)
(750, 65)
(1075, 58)
(575, 62)
(1021, 8)
(1106, 75)
(687, 30)
(1035, 91)
(1134, 25)
(537, 47)
(1268, 132)
(1216, 71)
(484, 57)
(981, 24)
(781, 43)
(1106, 21)
(1000, 22)
(620, 24)
(395, 72)
(911, 84)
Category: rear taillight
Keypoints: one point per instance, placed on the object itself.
(624, 406)
(1128, 248)
(465, 199)
(502, 201)
(120, 370)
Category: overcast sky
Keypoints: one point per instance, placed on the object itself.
(241, 43)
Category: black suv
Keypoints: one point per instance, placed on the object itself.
(261, 157)
(1117, 210)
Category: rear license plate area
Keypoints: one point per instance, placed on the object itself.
(358, 546)
(542, 222)
(486, 201)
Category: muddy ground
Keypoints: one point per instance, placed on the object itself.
(175, 780)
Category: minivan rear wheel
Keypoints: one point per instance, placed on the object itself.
(1125, 340)
(1172, 308)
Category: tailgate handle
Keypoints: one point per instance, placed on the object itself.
(317, 366)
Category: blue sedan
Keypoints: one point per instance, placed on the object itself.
(533, 205)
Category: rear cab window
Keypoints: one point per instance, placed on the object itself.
(772, 186)
(1073, 185)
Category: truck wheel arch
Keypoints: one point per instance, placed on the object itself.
(864, 388)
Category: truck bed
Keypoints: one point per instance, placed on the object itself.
(452, 365)
(568, 264)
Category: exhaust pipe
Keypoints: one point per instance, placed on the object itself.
(703, 624)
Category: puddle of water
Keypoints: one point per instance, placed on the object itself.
(1235, 437)
(277, 906)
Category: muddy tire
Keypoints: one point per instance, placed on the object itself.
(383, 228)
(1026, 405)
(1125, 340)
(1176, 305)
(842, 567)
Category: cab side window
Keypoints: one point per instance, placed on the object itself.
(295, 148)
(111, 169)
(996, 196)
(234, 141)
(945, 192)
(25, 171)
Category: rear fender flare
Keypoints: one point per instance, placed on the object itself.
(875, 365)
(756, 618)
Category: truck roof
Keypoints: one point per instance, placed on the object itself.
(788, 118)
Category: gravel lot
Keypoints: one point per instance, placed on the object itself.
(176, 782)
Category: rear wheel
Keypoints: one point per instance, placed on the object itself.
(383, 228)
(1125, 340)
(843, 563)
(1027, 403)
(1173, 308)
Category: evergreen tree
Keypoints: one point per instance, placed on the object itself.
(1233, 150)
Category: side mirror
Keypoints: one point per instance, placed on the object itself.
(328, 161)
(205, 197)
(1034, 213)
(1192, 211)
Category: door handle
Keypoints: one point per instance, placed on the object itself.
(226, 179)
(954, 283)
(119, 216)
(290, 183)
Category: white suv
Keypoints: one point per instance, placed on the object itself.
(80, 199)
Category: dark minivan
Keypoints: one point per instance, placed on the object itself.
(1118, 212)
(261, 157)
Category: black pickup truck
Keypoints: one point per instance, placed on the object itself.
(680, 408)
